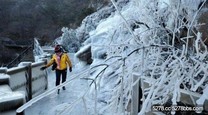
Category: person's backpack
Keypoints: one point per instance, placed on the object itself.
(54, 66)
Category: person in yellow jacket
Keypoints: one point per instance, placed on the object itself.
(60, 61)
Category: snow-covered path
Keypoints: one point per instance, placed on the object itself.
(57, 104)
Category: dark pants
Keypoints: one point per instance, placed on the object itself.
(59, 74)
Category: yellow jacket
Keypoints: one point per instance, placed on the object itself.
(63, 62)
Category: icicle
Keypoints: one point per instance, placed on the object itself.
(197, 43)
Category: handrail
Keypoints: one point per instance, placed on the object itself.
(34, 100)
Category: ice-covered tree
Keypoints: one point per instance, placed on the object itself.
(155, 40)
(69, 39)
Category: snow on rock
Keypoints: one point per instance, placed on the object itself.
(85, 54)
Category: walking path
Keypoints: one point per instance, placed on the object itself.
(57, 104)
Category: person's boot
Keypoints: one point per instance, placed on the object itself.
(58, 91)
(63, 88)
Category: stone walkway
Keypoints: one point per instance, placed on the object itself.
(56, 104)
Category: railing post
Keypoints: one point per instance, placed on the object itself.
(46, 72)
(29, 78)
(135, 96)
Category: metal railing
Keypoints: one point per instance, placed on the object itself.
(20, 110)
(27, 78)
(24, 79)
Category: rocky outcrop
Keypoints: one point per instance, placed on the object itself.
(85, 55)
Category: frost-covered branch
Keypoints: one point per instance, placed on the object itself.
(161, 45)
